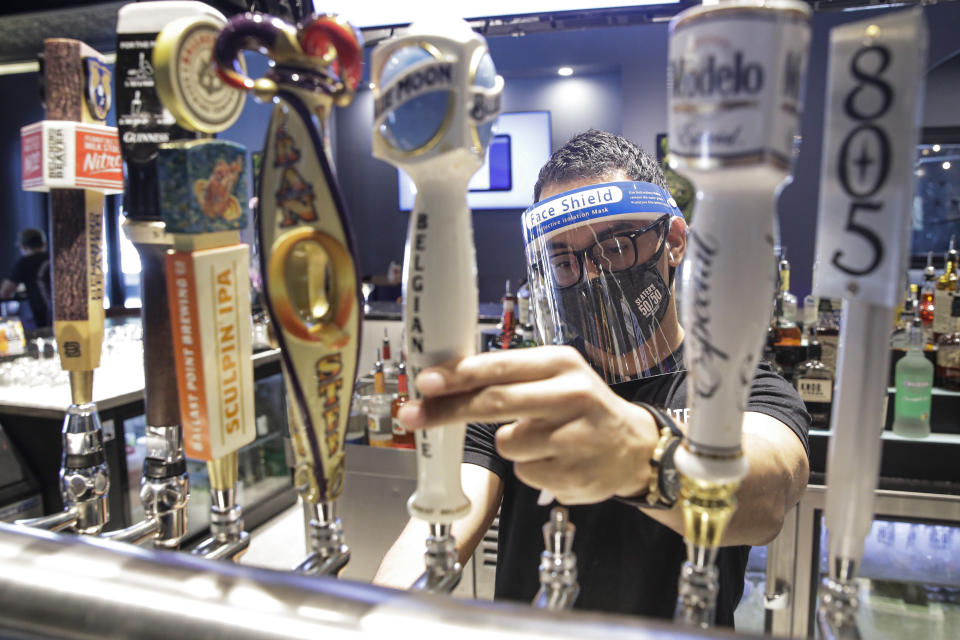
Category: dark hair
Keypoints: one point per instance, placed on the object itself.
(596, 154)
(33, 238)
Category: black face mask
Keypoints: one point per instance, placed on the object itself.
(616, 312)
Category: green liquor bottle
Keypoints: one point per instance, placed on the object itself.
(914, 380)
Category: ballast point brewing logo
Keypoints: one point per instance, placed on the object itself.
(201, 89)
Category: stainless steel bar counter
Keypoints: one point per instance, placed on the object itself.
(58, 586)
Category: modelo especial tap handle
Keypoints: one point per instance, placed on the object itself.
(307, 247)
(76, 158)
(735, 75)
(735, 137)
(436, 96)
(875, 84)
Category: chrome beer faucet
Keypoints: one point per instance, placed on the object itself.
(558, 563)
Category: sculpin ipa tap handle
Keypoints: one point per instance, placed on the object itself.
(76, 158)
(735, 79)
(436, 96)
(203, 196)
(307, 247)
(875, 80)
(144, 125)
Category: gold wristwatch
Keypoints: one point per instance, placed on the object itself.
(664, 485)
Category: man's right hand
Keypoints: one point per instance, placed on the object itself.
(567, 431)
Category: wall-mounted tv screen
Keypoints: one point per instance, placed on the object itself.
(519, 147)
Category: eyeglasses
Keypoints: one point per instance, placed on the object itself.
(616, 252)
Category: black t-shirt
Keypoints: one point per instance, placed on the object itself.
(627, 562)
(33, 270)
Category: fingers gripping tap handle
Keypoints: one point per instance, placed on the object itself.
(436, 94)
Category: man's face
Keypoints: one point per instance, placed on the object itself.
(585, 253)
(586, 236)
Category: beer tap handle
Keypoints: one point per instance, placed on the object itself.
(437, 134)
(867, 168)
(326, 54)
(77, 98)
(202, 191)
(144, 125)
(738, 179)
(311, 284)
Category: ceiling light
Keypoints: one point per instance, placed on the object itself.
(936, 148)
(946, 165)
(565, 71)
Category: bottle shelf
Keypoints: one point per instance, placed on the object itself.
(937, 391)
(933, 438)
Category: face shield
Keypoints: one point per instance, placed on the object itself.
(600, 280)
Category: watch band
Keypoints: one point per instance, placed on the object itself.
(658, 495)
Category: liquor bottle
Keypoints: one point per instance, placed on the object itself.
(903, 323)
(948, 352)
(787, 339)
(508, 321)
(402, 439)
(946, 285)
(389, 367)
(827, 333)
(927, 298)
(769, 354)
(379, 423)
(914, 382)
(527, 336)
(523, 303)
(810, 311)
(386, 346)
(789, 300)
(357, 424)
(379, 380)
(814, 382)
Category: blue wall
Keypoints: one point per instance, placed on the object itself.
(620, 86)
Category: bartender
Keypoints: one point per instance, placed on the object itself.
(591, 420)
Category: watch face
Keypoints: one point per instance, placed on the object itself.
(669, 479)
